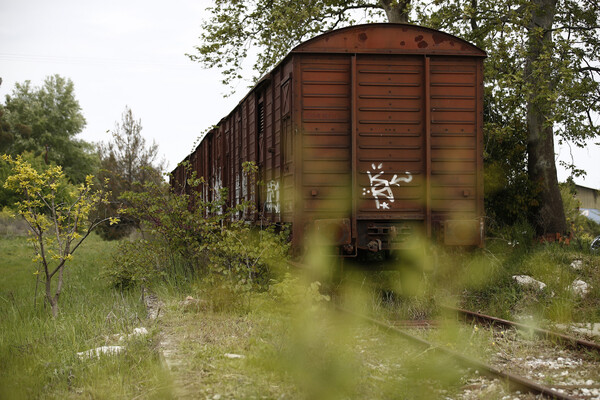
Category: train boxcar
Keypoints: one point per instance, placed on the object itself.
(371, 133)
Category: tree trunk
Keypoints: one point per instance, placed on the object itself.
(54, 305)
(396, 10)
(53, 297)
(52, 300)
(549, 216)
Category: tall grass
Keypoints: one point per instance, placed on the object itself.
(38, 353)
(482, 280)
(293, 345)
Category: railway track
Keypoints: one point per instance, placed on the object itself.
(566, 340)
(517, 382)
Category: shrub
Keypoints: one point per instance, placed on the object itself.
(582, 228)
(245, 257)
(205, 237)
(136, 263)
(182, 222)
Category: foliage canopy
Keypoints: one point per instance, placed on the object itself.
(46, 120)
(128, 162)
(268, 30)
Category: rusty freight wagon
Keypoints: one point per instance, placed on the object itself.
(370, 133)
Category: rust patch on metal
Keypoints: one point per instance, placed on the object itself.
(403, 43)
(418, 38)
(422, 44)
(362, 37)
(437, 38)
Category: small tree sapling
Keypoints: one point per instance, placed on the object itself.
(56, 213)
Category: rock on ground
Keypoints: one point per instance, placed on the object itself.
(577, 264)
(579, 288)
(106, 350)
(529, 282)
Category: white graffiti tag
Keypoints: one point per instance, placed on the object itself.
(217, 187)
(272, 204)
(381, 189)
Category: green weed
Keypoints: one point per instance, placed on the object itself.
(38, 353)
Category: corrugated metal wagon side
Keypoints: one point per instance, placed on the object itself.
(258, 130)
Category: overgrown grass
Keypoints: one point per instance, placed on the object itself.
(11, 226)
(38, 354)
(482, 280)
(292, 345)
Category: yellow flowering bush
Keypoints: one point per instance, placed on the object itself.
(57, 215)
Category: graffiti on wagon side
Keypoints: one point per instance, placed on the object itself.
(381, 188)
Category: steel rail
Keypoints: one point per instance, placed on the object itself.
(550, 335)
(515, 381)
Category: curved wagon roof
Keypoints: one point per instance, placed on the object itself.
(389, 38)
(382, 38)
(379, 38)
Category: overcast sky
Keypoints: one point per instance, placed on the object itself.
(118, 53)
(132, 53)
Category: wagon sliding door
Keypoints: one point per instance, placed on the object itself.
(389, 146)
(417, 136)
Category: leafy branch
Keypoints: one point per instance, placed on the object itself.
(57, 215)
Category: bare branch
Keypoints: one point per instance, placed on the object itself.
(589, 68)
(574, 28)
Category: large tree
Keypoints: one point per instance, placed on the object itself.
(541, 77)
(46, 120)
(127, 162)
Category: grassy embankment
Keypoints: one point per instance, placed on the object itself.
(289, 344)
(490, 287)
(38, 354)
(294, 347)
